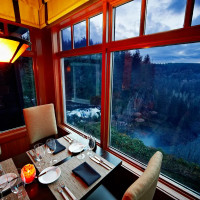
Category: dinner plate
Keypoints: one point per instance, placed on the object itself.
(9, 177)
(51, 176)
(76, 147)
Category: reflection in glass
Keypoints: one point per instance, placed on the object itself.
(26, 76)
(1, 28)
(164, 15)
(155, 105)
(196, 13)
(96, 28)
(66, 38)
(127, 20)
(80, 34)
(82, 80)
(17, 91)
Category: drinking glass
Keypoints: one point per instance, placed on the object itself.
(91, 144)
(40, 153)
(17, 187)
(51, 147)
(3, 182)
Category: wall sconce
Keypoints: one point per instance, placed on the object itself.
(11, 48)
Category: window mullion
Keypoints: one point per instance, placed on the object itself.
(143, 16)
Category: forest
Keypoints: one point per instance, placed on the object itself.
(155, 106)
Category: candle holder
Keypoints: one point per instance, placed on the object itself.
(28, 173)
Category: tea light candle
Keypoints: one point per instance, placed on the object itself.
(28, 173)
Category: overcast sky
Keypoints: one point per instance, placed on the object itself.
(162, 15)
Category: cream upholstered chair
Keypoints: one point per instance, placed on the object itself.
(144, 187)
(40, 122)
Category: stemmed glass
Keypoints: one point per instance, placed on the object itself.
(40, 153)
(51, 147)
(3, 182)
(91, 144)
(17, 186)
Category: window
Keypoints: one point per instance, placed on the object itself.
(17, 91)
(196, 13)
(127, 20)
(82, 78)
(96, 28)
(155, 106)
(66, 39)
(80, 34)
(20, 32)
(164, 15)
(27, 82)
(1, 28)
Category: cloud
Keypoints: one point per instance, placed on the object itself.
(183, 53)
(127, 20)
(164, 15)
(96, 29)
(79, 31)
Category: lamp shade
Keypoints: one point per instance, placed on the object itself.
(11, 48)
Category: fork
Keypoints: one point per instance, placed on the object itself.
(100, 160)
(62, 193)
(62, 185)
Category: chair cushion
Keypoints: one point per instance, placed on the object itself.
(101, 193)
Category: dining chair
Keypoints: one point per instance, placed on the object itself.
(142, 189)
(40, 122)
(145, 186)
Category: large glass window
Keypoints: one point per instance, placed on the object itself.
(155, 106)
(127, 20)
(1, 28)
(196, 13)
(80, 34)
(17, 91)
(82, 78)
(164, 15)
(96, 28)
(66, 39)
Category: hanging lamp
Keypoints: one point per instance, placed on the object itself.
(11, 48)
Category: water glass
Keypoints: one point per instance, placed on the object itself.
(50, 147)
(39, 152)
(91, 144)
(17, 187)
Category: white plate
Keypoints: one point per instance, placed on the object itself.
(50, 176)
(9, 177)
(76, 147)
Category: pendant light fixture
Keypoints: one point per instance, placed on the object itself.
(11, 48)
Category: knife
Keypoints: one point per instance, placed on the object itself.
(46, 172)
(100, 160)
(67, 139)
(102, 164)
(31, 155)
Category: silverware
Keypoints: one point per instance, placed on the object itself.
(100, 160)
(31, 155)
(62, 193)
(68, 191)
(67, 139)
(100, 163)
(47, 172)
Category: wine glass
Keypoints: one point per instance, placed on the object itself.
(17, 185)
(51, 147)
(3, 182)
(91, 144)
(39, 152)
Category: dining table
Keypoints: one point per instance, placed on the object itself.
(102, 163)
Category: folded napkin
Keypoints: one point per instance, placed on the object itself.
(59, 147)
(86, 173)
